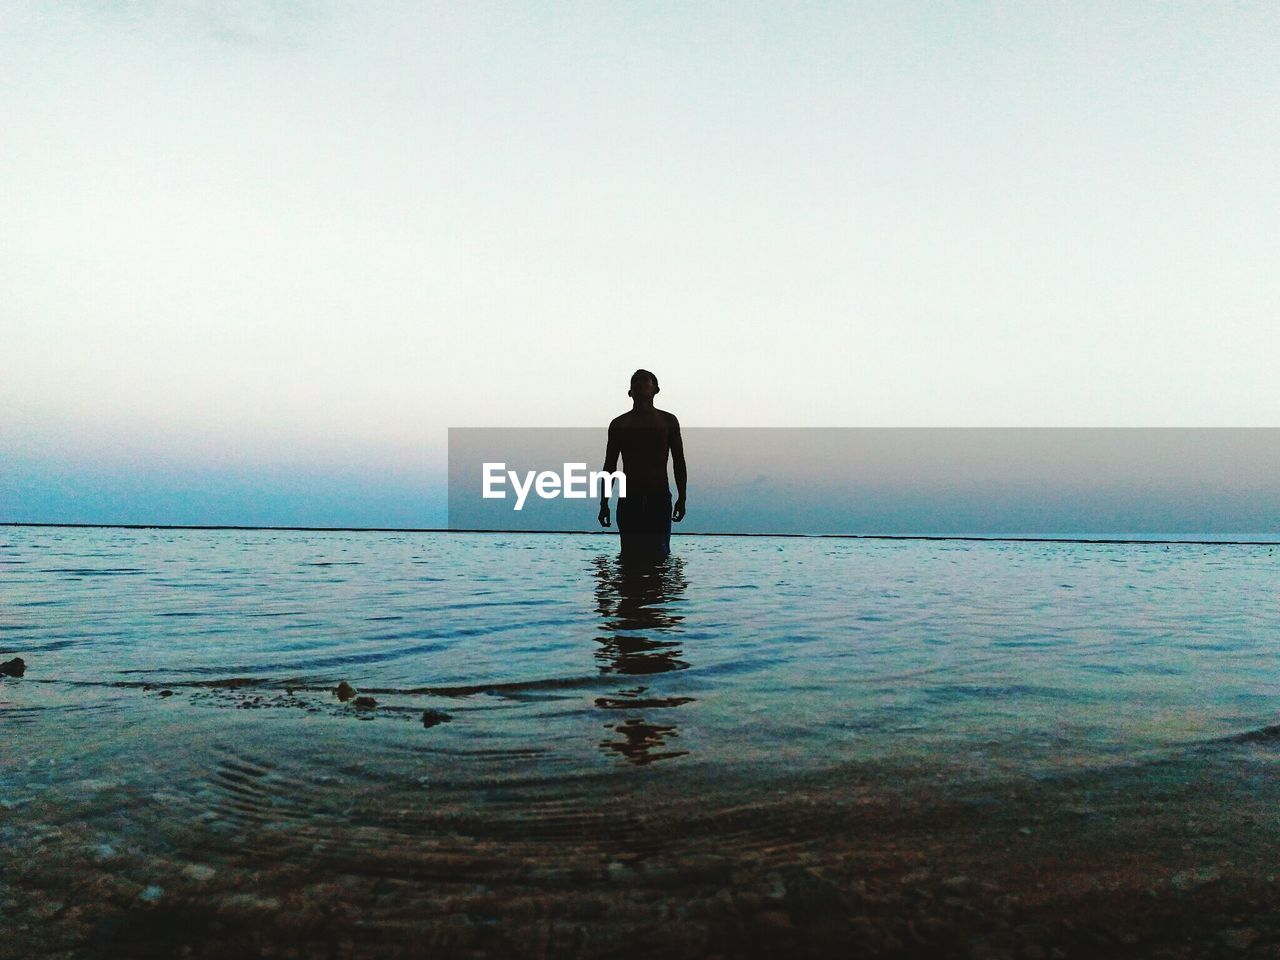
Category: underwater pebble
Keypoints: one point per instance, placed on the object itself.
(1241, 938)
(617, 871)
(45, 909)
(1190, 879)
(247, 901)
(102, 852)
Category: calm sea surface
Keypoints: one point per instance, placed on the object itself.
(181, 684)
(553, 660)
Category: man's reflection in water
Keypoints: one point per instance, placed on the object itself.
(638, 601)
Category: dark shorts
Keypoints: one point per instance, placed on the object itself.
(644, 524)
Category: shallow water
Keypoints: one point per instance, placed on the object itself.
(179, 707)
(554, 659)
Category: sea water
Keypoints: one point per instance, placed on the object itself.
(549, 652)
(180, 704)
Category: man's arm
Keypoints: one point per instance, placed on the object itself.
(678, 467)
(610, 466)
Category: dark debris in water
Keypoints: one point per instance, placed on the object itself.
(1269, 734)
(431, 717)
(250, 693)
(231, 683)
(350, 702)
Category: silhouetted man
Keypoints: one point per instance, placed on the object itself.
(644, 436)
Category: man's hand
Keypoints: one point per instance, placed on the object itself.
(677, 513)
(604, 514)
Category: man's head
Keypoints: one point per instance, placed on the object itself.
(643, 384)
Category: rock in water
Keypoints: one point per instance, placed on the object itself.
(345, 691)
(431, 717)
(13, 668)
(366, 703)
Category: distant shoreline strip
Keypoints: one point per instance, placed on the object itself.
(593, 533)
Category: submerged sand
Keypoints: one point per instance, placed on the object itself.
(1165, 858)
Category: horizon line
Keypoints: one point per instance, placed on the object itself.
(597, 533)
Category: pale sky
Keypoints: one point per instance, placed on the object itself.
(263, 239)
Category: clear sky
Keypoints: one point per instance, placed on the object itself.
(270, 252)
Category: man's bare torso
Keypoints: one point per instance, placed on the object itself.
(643, 438)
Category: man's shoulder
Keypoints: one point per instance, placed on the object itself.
(629, 419)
